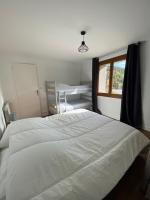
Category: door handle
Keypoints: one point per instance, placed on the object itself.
(37, 91)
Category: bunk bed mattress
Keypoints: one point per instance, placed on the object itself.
(75, 155)
(75, 104)
(68, 89)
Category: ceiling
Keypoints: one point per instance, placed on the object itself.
(51, 28)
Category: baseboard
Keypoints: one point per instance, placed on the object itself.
(146, 128)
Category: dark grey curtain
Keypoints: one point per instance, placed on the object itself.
(95, 73)
(131, 106)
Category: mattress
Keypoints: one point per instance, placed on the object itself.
(74, 104)
(68, 89)
(71, 105)
(75, 155)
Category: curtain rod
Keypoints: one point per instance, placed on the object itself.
(121, 49)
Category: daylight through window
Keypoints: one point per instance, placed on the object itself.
(111, 75)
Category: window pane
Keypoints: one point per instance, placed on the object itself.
(104, 74)
(118, 75)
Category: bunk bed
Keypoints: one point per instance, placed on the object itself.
(63, 97)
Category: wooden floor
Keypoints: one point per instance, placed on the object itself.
(129, 188)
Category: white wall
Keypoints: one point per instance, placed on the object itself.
(61, 71)
(145, 79)
(86, 70)
(111, 106)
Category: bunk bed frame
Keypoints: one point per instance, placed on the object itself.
(57, 96)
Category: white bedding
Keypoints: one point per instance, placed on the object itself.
(4, 155)
(73, 89)
(74, 104)
(71, 156)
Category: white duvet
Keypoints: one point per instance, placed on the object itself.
(72, 156)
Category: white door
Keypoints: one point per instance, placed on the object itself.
(26, 85)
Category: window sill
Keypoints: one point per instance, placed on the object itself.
(118, 96)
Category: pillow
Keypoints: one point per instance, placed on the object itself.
(4, 142)
(17, 127)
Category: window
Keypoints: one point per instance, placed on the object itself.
(111, 75)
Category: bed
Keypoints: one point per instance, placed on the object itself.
(73, 89)
(71, 156)
(63, 97)
(72, 105)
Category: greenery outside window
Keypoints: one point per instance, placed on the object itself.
(111, 75)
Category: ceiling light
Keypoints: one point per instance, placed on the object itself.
(83, 48)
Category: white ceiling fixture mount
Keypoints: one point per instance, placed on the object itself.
(83, 47)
